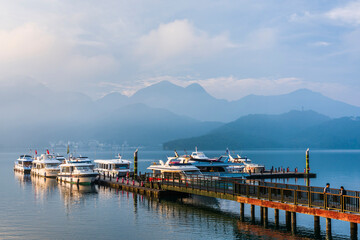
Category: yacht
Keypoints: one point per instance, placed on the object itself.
(246, 164)
(77, 171)
(176, 168)
(199, 157)
(114, 167)
(46, 166)
(218, 167)
(23, 163)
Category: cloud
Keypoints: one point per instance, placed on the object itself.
(179, 39)
(321, 44)
(35, 51)
(348, 14)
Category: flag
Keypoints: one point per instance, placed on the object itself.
(35, 152)
(68, 150)
(47, 151)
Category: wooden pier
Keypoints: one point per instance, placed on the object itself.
(270, 175)
(290, 198)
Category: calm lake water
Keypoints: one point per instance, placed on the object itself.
(37, 208)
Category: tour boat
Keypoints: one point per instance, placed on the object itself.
(218, 167)
(77, 172)
(200, 157)
(23, 164)
(114, 167)
(174, 167)
(246, 164)
(46, 166)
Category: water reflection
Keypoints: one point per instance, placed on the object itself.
(22, 178)
(76, 195)
(44, 188)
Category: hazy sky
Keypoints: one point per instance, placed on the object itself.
(232, 48)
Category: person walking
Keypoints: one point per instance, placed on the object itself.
(327, 197)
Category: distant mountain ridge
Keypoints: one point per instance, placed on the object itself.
(34, 114)
(195, 102)
(295, 129)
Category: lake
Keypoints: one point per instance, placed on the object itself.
(37, 208)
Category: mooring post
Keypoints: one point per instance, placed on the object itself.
(252, 213)
(317, 226)
(328, 228)
(288, 219)
(353, 231)
(242, 210)
(135, 163)
(307, 161)
(293, 222)
(276, 216)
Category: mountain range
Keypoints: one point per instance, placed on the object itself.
(193, 101)
(32, 114)
(295, 129)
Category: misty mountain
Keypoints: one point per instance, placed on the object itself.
(33, 115)
(296, 129)
(193, 101)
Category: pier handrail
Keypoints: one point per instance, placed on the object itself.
(284, 193)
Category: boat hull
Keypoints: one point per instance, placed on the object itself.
(82, 179)
(49, 173)
(22, 169)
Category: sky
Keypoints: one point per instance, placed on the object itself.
(232, 48)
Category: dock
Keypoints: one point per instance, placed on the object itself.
(292, 199)
(270, 175)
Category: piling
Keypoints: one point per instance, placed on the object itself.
(328, 228)
(293, 222)
(242, 210)
(135, 163)
(262, 215)
(252, 213)
(288, 220)
(353, 231)
(276, 216)
(317, 226)
(265, 217)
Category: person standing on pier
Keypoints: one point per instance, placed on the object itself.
(326, 191)
(342, 193)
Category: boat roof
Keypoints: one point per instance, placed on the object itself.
(46, 161)
(72, 164)
(112, 161)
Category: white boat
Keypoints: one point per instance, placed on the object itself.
(174, 168)
(114, 167)
(216, 167)
(46, 166)
(23, 163)
(200, 157)
(77, 171)
(246, 164)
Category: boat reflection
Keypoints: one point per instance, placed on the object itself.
(76, 195)
(23, 178)
(43, 188)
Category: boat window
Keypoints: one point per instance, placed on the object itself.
(52, 164)
(121, 166)
(83, 168)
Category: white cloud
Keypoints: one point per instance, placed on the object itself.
(321, 44)
(34, 51)
(179, 38)
(348, 14)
